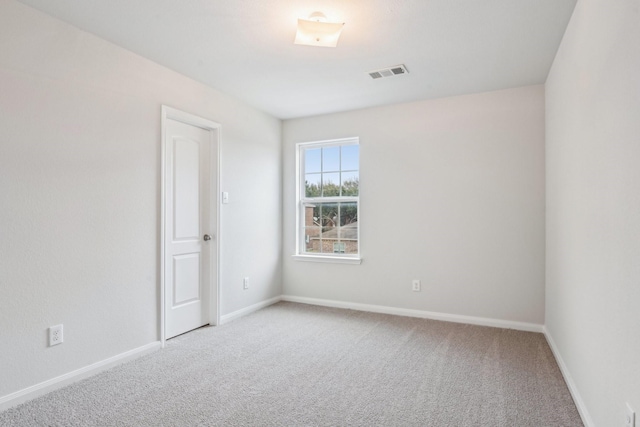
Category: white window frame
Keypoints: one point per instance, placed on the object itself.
(302, 200)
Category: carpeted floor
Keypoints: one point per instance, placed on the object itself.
(300, 365)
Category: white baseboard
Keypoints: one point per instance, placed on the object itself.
(481, 321)
(244, 311)
(34, 391)
(568, 379)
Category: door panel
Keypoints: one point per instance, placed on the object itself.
(189, 263)
(186, 279)
(186, 191)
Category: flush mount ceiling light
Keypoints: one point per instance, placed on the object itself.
(316, 31)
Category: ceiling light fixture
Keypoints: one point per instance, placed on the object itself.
(316, 31)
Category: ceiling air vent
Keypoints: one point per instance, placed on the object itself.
(396, 70)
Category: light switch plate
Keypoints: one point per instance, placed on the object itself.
(630, 417)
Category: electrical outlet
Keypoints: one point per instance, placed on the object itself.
(245, 283)
(415, 285)
(55, 335)
(630, 417)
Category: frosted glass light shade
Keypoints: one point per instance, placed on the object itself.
(316, 33)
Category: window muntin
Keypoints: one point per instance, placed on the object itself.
(328, 198)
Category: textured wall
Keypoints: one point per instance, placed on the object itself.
(452, 193)
(593, 205)
(80, 191)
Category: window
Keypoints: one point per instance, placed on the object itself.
(328, 200)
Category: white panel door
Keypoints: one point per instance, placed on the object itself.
(189, 226)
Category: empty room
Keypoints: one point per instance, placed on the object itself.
(305, 213)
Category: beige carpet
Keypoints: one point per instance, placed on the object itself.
(299, 365)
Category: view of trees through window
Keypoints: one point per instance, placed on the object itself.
(330, 200)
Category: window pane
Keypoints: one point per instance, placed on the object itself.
(348, 232)
(312, 184)
(350, 183)
(312, 160)
(330, 184)
(329, 216)
(350, 157)
(312, 239)
(350, 246)
(311, 228)
(331, 159)
(348, 214)
(311, 216)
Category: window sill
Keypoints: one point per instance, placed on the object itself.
(329, 259)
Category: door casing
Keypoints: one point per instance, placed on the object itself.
(214, 287)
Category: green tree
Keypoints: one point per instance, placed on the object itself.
(312, 190)
(349, 188)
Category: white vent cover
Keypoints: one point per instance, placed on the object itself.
(396, 70)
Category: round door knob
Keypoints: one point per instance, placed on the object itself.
(207, 237)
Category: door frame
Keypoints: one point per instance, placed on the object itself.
(214, 279)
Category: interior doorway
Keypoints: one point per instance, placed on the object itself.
(190, 223)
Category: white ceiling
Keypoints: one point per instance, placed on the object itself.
(245, 47)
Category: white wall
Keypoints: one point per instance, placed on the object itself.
(80, 196)
(593, 206)
(452, 193)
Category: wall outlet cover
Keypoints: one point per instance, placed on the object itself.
(55, 335)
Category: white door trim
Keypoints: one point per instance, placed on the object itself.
(190, 119)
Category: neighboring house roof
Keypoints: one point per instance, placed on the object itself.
(347, 232)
